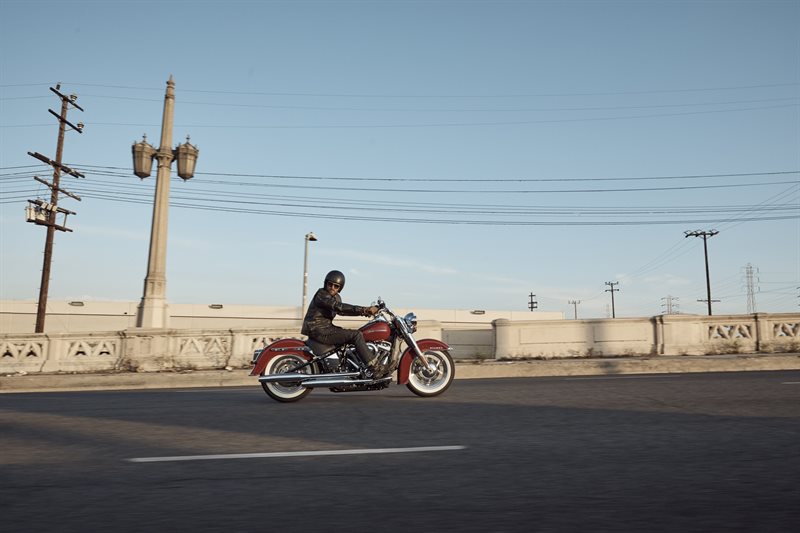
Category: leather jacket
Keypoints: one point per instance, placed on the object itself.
(324, 308)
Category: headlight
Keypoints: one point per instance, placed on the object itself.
(411, 322)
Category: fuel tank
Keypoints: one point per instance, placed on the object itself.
(376, 331)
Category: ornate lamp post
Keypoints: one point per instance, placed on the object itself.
(309, 237)
(152, 312)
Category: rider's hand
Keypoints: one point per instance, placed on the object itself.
(370, 311)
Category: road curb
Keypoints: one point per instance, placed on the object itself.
(629, 365)
(464, 370)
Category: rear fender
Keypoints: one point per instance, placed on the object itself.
(280, 347)
(408, 357)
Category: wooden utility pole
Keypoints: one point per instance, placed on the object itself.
(43, 213)
(612, 290)
(705, 235)
(574, 304)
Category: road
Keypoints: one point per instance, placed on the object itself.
(675, 452)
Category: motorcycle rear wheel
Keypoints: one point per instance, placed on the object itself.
(424, 382)
(285, 392)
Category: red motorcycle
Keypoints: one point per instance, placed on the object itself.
(289, 369)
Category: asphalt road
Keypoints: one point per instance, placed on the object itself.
(688, 452)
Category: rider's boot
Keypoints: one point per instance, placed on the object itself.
(373, 368)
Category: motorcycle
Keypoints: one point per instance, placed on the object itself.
(289, 369)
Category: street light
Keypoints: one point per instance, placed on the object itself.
(309, 237)
(152, 312)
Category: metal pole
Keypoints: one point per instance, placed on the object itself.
(613, 309)
(708, 276)
(309, 237)
(612, 290)
(575, 306)
(152, 310)
(44, 287)
(705, 235)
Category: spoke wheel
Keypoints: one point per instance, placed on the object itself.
(425, 382)
(286, 391)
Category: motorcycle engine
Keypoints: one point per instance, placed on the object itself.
(380, 349)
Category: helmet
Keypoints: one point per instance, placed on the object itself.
(335, 276)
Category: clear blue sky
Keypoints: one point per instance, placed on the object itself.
(501, 148)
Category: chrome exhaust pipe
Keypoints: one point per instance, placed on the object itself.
(296, 377)
(341, 382)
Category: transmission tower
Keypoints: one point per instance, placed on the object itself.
(44, 213)
(751, 275)
(670, 308)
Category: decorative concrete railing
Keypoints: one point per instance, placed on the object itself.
(143, 350)
(134, 350)
(660, 335)
(148, 350)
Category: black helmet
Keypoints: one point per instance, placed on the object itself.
(335, 276)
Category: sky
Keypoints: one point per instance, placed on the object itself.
(446, 154)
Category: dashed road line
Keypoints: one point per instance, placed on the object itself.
(654, 376)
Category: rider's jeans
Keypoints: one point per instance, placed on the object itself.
(338, 336)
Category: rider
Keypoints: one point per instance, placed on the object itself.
(326, 304)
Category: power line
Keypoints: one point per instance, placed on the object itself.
(435, 110)
(126, 171)
(134, 191)
(428, 124)
(375, 95)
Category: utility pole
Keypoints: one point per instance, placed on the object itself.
(705, 235)
(612, 290)
(43, 213)
(670, 307)
(532, 304)
(574, 304)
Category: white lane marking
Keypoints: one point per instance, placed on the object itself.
(626, 377)
(271, 455)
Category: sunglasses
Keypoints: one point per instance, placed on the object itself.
(334, 285)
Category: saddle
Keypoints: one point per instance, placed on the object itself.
(319, 349)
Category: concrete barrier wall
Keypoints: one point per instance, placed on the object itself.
(505, 338)
(660, 335)
(144, 350)
(132, 350)
(469, 332)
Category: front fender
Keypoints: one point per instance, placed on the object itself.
(408, 357)
(279, 347)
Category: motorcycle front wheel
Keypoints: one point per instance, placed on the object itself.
(425, 382)
(286, 391)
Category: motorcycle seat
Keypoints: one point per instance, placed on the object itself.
(318, 348)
